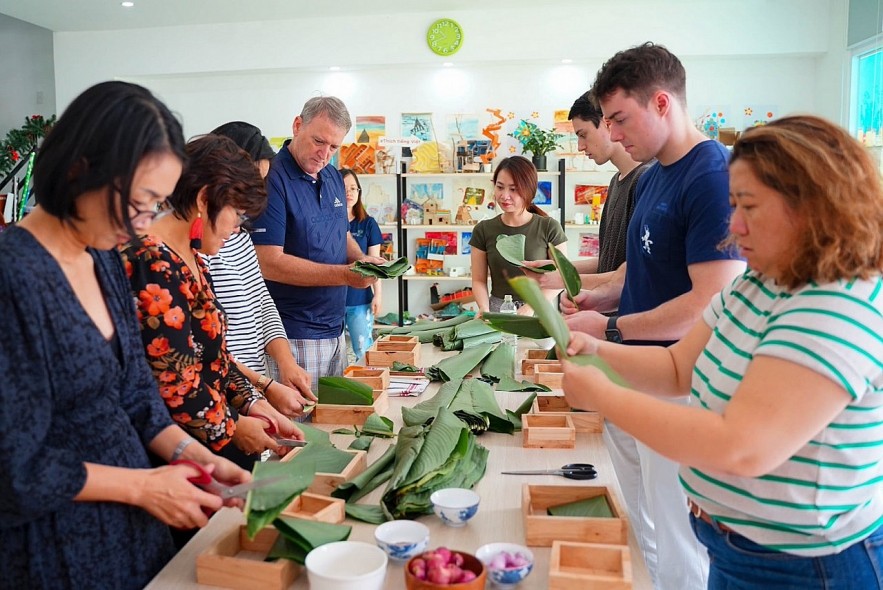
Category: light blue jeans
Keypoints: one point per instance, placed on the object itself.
(360, 328)
(740, 564)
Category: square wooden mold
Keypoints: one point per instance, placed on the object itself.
(547, 432)
(383, 353)
(549, 374)
(541, 529)
(589, 566)
(236, 562)
(377, 378)
(310, 506)
(553, 405)
(399, 338)
(350, 414)
(325, 483)
(529, 366)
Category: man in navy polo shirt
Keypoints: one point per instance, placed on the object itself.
(303, 243)
(674, 265)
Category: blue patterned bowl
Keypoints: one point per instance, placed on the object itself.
(505, 577)
(402, 539)
(454, 505)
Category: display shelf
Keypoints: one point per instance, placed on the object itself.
(440, 227)
(436, 278)
(590, 228)
(423, 175)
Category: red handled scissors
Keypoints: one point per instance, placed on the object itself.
(213, 486)
(271, 430)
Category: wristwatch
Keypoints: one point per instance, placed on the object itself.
(612, 333)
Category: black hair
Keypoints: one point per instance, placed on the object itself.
(584, 108)
(98, 142)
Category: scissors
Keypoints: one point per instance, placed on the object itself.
(213, 486)
(271, 430)
(570, 471)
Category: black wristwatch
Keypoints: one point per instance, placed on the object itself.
(612, 333)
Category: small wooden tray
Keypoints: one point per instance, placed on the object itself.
(540, 529)
(547, 432)
(529, 366)
(398, 338)
(553, 405)
(236, 562)
(310, 506)
(377, 378)
(549, 374)
(589, 566)
(383, 353)
(325, 483)
(350, 415)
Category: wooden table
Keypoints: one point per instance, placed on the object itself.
(499, 516)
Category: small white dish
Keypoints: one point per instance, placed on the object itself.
(508, 577)
(346, 565)
(402, 539)
(455, 506)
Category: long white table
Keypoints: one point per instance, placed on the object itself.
(499, 516)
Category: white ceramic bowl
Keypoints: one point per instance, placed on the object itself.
(402, 539)
(346, 565)
(508, 577)
(454, 505)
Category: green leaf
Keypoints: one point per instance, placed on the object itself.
(522, 325)
(369, 514)
(378, 472)
(422, 326)
(509, 384)
(569, 274)
(344, 391)
(379, 426)
(326, 458)
(361, 443)
(387, 270)
(511, 248)
(500, 363)
(458, 366)
(263, 505)
(349, 431)
(596, 507)
(473, 396)
(400, 367)
(596, 361)
(302, 536)
(529, 291)
(525, 407)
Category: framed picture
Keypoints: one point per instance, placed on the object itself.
(589, 194)
(544, 193)
(465, 248)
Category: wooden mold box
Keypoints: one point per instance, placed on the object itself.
(377, 378)
(349, 414)
(399, 338)
(540, 529)
(310, 506)
(553, 405)
(383, 353)
(547, 432)
(549, 374)
(529, 366)
(236, 562)
(589, 566)
(325, 483)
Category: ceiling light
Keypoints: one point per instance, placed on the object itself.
(448, 64)
(334, 68)
(567, 60)
(127, 4)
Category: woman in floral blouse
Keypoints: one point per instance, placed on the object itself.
(183, 326)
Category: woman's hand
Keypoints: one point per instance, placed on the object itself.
(250, 436)
(375, 305)
(582, 385)
(546, 280)
(582, 343)
(166, 494)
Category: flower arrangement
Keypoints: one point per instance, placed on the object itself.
(20, 142)
(535, 139)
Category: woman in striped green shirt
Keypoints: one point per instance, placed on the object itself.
(781, 448)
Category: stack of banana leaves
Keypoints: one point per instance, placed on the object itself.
(458, 366)
(387, 270)
(346, 391)
(425, 330)
(499, 368)
(466, 335)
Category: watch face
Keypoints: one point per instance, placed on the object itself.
(613, 335)
(444, 37)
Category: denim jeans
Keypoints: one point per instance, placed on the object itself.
(360, 327)
(740, 564)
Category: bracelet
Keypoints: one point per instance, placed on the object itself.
(263, 383)
(179, 450)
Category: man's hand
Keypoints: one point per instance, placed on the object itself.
(590, 322)
(375, 305)
(294, 376)
(373, 259)
(546, 280)
(356, 280)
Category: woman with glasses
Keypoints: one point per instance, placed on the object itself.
(255, 334)
(183, 328)
(79, 504)
(362, 305)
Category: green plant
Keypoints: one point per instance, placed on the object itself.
(20, 142)
(535, 139)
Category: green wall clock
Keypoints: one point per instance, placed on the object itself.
(444, 37)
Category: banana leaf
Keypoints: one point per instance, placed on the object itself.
(521, 325)
(524, 408)
(499, 368)
(400, 367)
(568, 272)
(379, 426)
(344, 391)
(511, 248)
(427, 458)
(388, 270)
(423, 326)
(365, 513)
(596, 507)
(326, 457)
(510, 384)
(297, 537)
(531, 294)
(470, 396)
(361, 443)
(369, 480)
(458, 366)
(263, 505)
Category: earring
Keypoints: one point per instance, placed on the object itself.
(196, 232)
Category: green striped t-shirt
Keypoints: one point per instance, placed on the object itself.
(830, 494)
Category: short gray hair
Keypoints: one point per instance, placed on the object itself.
(330, 106)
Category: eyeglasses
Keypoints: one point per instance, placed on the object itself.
(354, 190)
(136, 214)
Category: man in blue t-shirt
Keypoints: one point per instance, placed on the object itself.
(674, 265)
(302, 240)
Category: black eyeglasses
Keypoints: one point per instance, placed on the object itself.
(136, 214)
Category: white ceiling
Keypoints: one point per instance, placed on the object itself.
(93, 15)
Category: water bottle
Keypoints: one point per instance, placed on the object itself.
(509, 307)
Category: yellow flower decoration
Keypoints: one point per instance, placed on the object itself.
(535, 115)
(511, 115)
(512, 149)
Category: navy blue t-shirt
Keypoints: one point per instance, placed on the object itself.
(307, 217)
(681, 217)
(367, 234)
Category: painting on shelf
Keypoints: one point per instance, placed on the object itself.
(370, 128)
(463, 126)
(589, 245)
(387, 249)
(589, 194)
(465, 237)
(449, 238)
(423, 191)
(544, 193)
(419, 125)
(473, 196)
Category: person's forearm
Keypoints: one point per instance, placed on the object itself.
(479, 291)
(279, 350)
(645, 368)
(589, 266)
(353, 251)
(299, 272)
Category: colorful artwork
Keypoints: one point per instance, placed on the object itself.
(492, 132)
(427, 158)
(473, 196)
(358, 157)
(419, 125)
(754, 115)
(423, 191)
(589, 245)
(370, 128)
(465, 237)
(711, 120)
(567, 145)
(449, 238)
(387, 249)
(463, 126)
(590, 194)
(544, 193)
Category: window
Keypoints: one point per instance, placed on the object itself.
(866, 112)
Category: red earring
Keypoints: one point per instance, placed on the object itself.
(196, 232)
